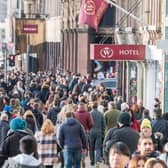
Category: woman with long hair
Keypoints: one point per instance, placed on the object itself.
(47, 144)
(30, 120)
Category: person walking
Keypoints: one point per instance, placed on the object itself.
(28, 148)
(10, 146)
(72, 140)
(4, 126)
(47, 144)
(123, 132)
(111, 116)
(96, 135)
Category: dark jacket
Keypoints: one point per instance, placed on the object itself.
(4, 128)
(125, 134)
(71, 135)
(160, 125)
(99, 123)
(52, 114)
(10, 146)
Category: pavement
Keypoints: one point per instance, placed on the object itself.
(87, 161)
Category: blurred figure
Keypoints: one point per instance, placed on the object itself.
(119, 155)
(111, 116)
(137, 161)
(26, 159)
(96, 135)
(10, 146)
(72, 140)
(47, 144)
(4, 126)
(31, 121)
(155, 163)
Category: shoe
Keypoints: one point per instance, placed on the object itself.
(92, 163)
(97, 165)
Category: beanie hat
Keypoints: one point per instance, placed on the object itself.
(146, 124)
(17, 124)
(124, 118)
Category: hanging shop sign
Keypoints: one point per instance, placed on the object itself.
(106, 52)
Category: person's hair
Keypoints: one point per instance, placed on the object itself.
(111, 104)
(157, 112)
(153, 161)
(69, 115)
(135, 108)
(120, 147)
(132, 114)
(146, 112)
(134, 161)
(94, 104)
(28, 144)
(29, 113)
(47, 127)
(4, 116)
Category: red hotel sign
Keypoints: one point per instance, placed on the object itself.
(27, 28)
(106, 52)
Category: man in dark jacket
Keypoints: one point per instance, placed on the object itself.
(10, 146)
(123, 133)
(96, 134)
(4, 127)
(72, 139)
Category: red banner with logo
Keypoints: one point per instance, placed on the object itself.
(106, 52)
(91, 12)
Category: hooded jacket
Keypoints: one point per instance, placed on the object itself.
(71, 135)
(22, 161)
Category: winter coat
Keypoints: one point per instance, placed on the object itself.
(99, 123)
(10, 146)
(47, 148)
(85, 119)
(160, 125)
(22, 161)
(111, 117)
(52, 114)
(125, 134)
(4, 128)
(71, 135)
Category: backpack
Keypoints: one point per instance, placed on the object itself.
(10, 163)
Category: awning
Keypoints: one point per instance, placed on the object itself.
(107, 52)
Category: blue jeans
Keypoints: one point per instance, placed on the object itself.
(72, 157)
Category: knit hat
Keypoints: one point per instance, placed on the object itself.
(17, 124)
(146, 124)
(124, 118)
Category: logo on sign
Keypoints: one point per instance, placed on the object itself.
(106, 52)
(90, 7)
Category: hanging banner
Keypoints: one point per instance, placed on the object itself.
(91, 12)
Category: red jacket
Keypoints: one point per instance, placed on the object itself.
(135, 125)
(85, 119)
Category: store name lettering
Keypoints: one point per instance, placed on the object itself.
(129, 52)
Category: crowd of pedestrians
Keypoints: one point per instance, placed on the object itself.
(62, 119)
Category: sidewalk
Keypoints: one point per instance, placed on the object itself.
(88, 165)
